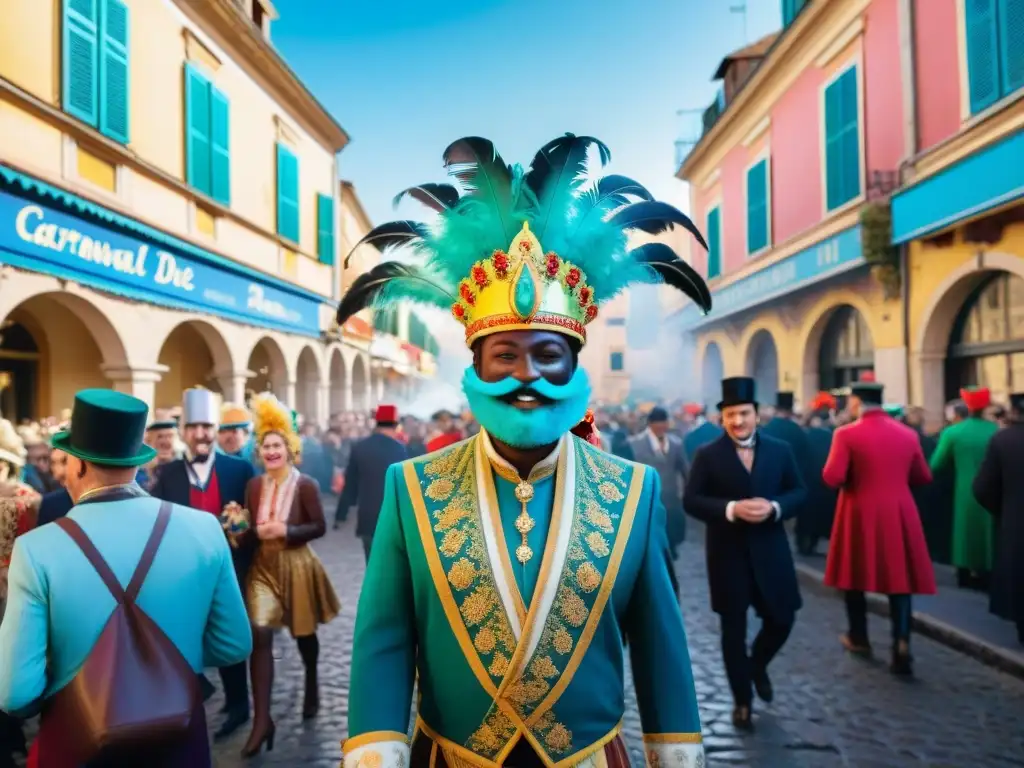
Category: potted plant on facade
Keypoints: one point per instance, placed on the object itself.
(876, 243)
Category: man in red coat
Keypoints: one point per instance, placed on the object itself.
(447, 432)
(878, 543)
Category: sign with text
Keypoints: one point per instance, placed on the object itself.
(43, 239)
(831, 256)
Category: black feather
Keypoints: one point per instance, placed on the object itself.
(483, 174)
(438, 197)
(620, 187)
(389, 235)
(674, 272)
(558, 169)
(653, 217)
(369, 285)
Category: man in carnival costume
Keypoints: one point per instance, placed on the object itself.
(507, 568)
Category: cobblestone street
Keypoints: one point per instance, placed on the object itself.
(829, 709)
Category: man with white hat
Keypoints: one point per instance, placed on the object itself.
(209, 480)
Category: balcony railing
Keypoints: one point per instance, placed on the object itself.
(713, 112)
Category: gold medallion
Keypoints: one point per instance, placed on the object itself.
(523, 553)
(524, 492)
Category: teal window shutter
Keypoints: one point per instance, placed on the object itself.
(842, 140)
(982, 53)
(197, 131)
(325, 229)
(757, 207)
(220, 147)
(1011, 44)
(113, 71)
(287, 194)
(80, 58)
(714, 243)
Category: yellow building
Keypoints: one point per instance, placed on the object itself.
(168, 208)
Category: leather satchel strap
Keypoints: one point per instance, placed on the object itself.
(74, 530)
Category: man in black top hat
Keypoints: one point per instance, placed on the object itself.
(783, 427)
(999, 488)
(743, 486)
(658, 448)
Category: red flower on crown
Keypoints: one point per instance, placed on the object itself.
(552, 264)
(584, 296)
(479, 275)
(466, 293)
(459, 311)
(572, 277)
(591, 312)
(500, 262)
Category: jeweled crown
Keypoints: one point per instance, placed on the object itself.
(524, 288)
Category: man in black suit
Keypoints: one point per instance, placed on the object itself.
(784, 427)
(208, 480)
(364, 477)
(55, 504)
(743, 486)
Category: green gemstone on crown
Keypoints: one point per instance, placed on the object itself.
(524, 295)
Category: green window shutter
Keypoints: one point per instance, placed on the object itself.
(842, 140)
(325, 229)
(80, 59)
(113, 70)
(220, 147)
(982, 53)
(714, 243)
(197, 131)
(757, 207)
(1011, 44)
(287, 194)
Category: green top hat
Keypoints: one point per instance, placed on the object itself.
(106, 428)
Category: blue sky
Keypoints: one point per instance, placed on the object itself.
(407, 77)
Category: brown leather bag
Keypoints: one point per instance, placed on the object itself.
(135, 695)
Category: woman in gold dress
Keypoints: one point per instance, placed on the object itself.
(287, 585)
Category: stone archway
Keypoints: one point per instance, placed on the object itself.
(838, 349)
(192, 352)
(762, 364)
(56, 343)
(360, 385)
(269, 368)
(307, 386)
(936, 323)
(339, 397)
(712, 373)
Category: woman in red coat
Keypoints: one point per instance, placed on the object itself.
(878, 543)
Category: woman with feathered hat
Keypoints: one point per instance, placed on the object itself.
(507, 568)
(287, 585)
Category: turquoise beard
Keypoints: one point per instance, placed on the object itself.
(527, 429)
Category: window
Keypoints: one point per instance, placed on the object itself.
(287, 194)
(95, 65)
(790, 10)
(615, 322)
(842, 140)
(757, 207)
(995, 49)
(714, 239)
(207, 142)
(325, 229)
(616, 362)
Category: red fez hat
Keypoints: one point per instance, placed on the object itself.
(823, 401)
(976, 399)
(386, 414)
(693, 409)
(868, 377)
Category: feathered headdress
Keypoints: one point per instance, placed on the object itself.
(271, 415)
(484, 260)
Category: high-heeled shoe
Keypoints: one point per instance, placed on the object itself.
(255, 745)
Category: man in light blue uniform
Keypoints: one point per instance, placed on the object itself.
(58, 604)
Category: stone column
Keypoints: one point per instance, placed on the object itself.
(377, 396)
(347, 394)
(138, 381)
(289, 393)
(232, 384)
(324, 405)
(891, 371)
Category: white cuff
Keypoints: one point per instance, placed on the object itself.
(729, 510)
(377, 754)
(679, 754)
(778, 510)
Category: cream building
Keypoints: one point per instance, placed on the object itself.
(169, 204)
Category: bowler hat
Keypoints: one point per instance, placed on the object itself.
(784, 401)
(658, 415)
(738, 390)
(868, 392)
(106, 428)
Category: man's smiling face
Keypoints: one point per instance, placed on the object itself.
(525, 356)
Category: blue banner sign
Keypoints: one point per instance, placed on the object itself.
(838, 253)
(43, 239)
